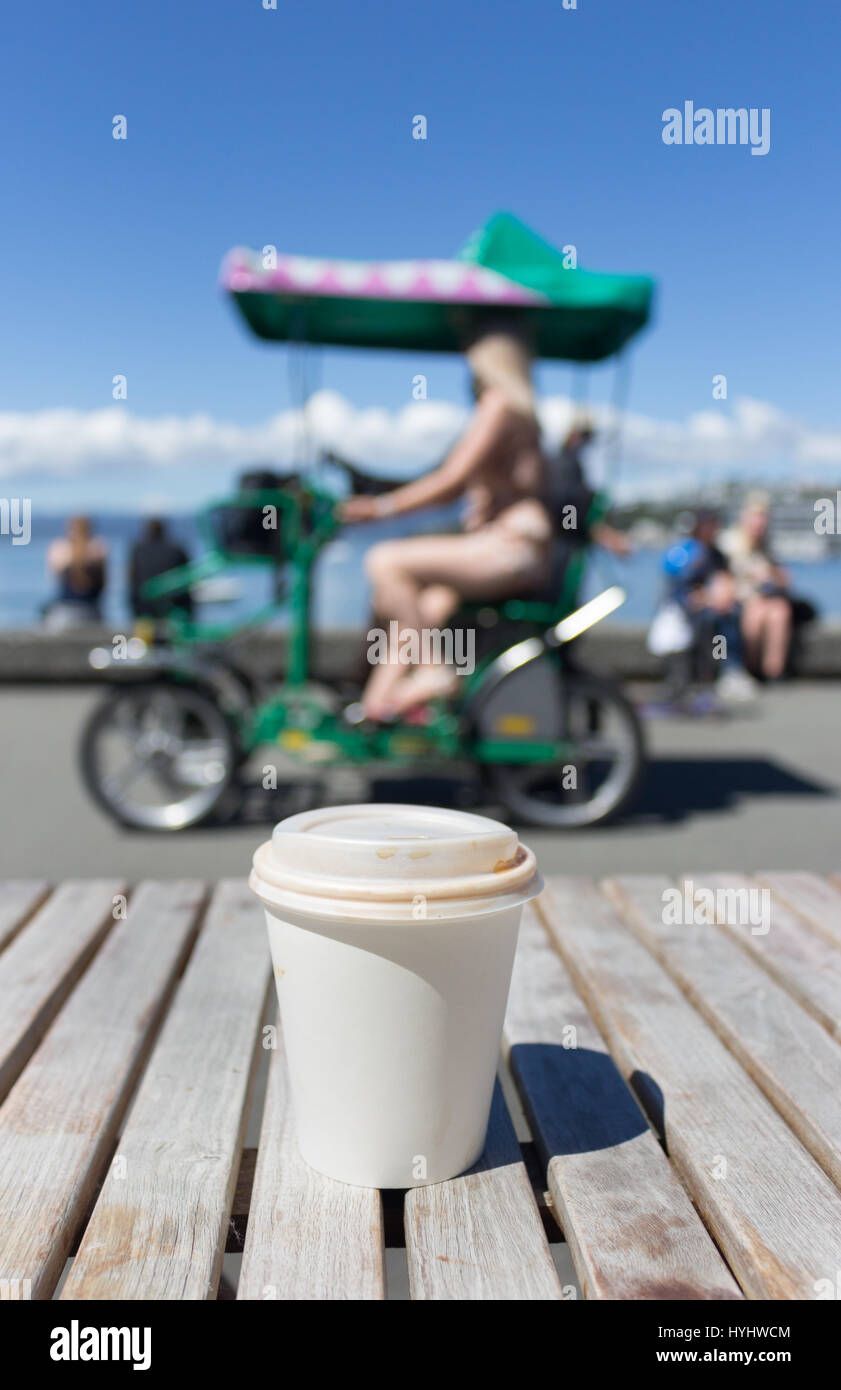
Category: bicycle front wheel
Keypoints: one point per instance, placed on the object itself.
(158, 756)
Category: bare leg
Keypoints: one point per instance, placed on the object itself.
(438, 603)
(720, 592)
(753, 622)
(397, 594)
(418, 583)
(379, 689)
(777, 637)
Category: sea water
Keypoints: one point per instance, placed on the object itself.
(340, 587)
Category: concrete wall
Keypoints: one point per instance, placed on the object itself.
(30, 655)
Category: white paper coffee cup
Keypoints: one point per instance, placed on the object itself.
(392, 931)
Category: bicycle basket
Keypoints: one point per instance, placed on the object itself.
(243, 525)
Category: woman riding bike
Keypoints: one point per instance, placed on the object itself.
(506, 547)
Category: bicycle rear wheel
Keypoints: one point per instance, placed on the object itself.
(600, 775)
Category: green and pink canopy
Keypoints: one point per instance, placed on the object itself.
(504, 269)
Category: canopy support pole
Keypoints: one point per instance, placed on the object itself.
(581, 385)
(618, 403)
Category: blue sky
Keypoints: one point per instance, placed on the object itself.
(293, 126)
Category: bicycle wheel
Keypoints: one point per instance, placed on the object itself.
(602, 771)
(158, 756)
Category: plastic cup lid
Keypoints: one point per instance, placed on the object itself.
(393, 862)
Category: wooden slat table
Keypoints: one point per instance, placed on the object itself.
(680, 1080)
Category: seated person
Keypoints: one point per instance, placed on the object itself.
(78, 564)
(700, 582)
(506, 546)
(762, 587)
(153, 553)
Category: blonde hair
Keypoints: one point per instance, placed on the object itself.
(757, 501)
(503, 361)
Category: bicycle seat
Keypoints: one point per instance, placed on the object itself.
(548, 602)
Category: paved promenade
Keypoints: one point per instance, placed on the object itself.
(761, 790)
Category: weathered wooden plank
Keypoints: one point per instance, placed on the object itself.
(60, 1119)
(632, 1230)
(797, 957)
(774, 1213)
(19, 897)
(43, 962)
(784, 1049)
(308, 1237)
(158, 1228)
(480, 1236)
(813, 898)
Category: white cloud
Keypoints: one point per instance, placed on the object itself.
(657, 455)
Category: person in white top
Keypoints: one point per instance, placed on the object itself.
(762, 587)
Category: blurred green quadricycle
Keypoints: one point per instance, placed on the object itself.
(556, 746)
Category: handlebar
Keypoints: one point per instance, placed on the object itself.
(362, 484)
(308, 517)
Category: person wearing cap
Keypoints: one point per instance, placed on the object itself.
(570, 496)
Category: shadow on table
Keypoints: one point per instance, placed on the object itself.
(578, 1103)
(578, 1100)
